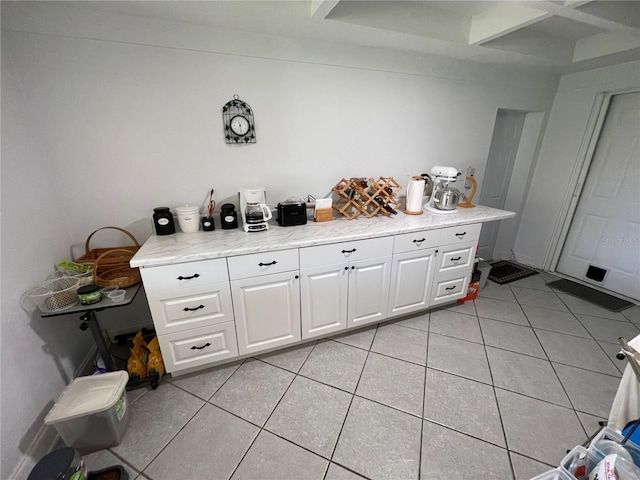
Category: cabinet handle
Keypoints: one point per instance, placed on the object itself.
(349, 251)
(195, 275)
(187, 309)
(353, 267)
(200, 348)
(460, 235)
(419, 241)
(456, 259)
(346, 268)
(267, 264)
(296, 277)
(450, 288)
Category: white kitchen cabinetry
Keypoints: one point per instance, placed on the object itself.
(344, 285)
(414, 257)
(192, 312)
(266, 299)
(454, 263)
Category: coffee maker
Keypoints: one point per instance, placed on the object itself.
(254, 209)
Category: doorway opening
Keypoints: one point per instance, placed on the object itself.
(514, 145)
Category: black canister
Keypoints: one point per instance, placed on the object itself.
(163, 221)
(228, 216)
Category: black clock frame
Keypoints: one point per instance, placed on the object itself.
(232, 109)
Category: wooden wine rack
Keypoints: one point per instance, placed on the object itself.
(354, 198)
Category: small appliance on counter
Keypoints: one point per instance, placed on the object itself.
(254, 209)
(228, 216)
(444, 198)
(292, 212)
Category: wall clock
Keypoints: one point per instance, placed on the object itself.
(237, 118)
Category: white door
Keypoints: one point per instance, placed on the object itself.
(323, 297)
(411, 275)
(602, 245)
(368, 291)
(267, 311)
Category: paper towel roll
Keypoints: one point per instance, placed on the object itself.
(415, 190)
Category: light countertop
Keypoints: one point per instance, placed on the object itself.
(191, 247)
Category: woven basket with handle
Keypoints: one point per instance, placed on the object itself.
(125, 253)
(106, 273)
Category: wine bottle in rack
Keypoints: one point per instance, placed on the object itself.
(385, 205)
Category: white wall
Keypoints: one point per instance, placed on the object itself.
(110, 116)
(558, 159)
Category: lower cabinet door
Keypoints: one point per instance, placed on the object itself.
(267, 311)
(323, 297)
(411, 279)
(450, 288)
(198, 346)
(368, 291)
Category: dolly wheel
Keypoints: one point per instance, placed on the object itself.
(154, 384)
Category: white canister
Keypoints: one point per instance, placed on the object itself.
(188, 218)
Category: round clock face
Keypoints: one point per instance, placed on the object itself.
(239, 125)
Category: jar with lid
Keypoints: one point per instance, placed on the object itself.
(228, 216)
(163, 221)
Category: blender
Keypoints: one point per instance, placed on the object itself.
(444, 198)
(254, 209)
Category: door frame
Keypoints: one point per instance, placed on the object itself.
(579, 175)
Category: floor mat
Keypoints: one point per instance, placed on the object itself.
(591, 295)
(505, 271)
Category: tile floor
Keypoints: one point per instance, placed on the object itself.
(498, 388)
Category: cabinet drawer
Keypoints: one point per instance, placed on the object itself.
(463, 233)
(311, 257)
(456, 258)
(193, 308)
(200, 346)
(257, 264)
(184, 275)
(409, 242)
(450, 288)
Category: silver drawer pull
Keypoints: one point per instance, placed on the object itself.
(450, 288)
(267, 264)
(460, 235)
(456, 259)
(187, 309)
(200, 348)
(195, 275)
(419, 241)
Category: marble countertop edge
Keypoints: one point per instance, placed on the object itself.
(192, 247)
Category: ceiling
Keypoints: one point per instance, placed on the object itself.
(554, 36)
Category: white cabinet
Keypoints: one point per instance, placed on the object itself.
(412, 271)
(344, 285)
(192, 312)
(266, 305)
(454, 263)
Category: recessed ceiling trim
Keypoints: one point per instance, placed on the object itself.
(501, 20)
(599, 22)
(322, 8)
(603, 44)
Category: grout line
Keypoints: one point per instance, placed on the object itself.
(424, 398)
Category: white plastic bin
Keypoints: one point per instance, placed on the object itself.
(92, 414)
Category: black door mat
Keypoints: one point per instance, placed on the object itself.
(591, 295)
(505, 271)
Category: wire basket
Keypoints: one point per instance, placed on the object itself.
(54, 295)
(85, 278)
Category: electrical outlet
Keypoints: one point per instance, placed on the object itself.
(471, 171)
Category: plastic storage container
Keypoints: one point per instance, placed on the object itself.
(92, 414)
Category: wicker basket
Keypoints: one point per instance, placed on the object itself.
(55, 295)
(106, 273)
(125, 253)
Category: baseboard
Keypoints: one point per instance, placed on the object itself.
(47, 438)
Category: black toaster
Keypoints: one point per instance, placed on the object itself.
(292, 213)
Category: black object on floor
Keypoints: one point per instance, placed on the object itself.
(505, 271)
(591, 295)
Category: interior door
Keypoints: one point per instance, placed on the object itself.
(602, 246)
(497, 176)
